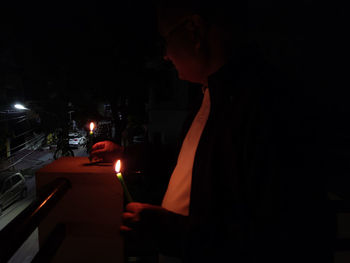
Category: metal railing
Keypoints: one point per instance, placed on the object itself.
(20, 228)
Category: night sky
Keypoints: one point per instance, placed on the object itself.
(84, 51)
(78, 50)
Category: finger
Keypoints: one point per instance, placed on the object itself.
(99, 145)
(95, 159)
(125, 229)
(134, 207)
(97, 154)
(129, 218)
(98, 151)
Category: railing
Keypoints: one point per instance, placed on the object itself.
(21, 227)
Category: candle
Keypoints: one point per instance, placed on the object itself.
(90, 139)
(120, 178)
(92, 126)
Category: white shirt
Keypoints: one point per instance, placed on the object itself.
(177, 196)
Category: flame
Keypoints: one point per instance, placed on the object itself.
(92, 126)
(117, 166)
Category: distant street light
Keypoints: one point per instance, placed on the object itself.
(20, 107)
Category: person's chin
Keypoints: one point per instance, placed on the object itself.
(181, 76)
(188, 77)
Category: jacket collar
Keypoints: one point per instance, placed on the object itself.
(222, 84)
(234, 79)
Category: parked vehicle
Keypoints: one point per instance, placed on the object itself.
(12, 188)
(76, 140)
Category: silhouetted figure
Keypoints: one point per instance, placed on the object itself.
(248, 185)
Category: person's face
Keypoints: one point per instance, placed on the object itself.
(184, 48)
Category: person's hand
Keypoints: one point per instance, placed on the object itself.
(155, 225)
(142, 218)
(106, 151)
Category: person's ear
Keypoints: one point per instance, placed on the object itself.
(197, 27)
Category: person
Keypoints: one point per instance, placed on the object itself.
(248, 185)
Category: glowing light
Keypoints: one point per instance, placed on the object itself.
(92, 126)
(117, 166)
(44, 202)
(20, 107)
(121, 180)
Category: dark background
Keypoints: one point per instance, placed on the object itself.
(93, 52)
(77, 51)
(84, 50)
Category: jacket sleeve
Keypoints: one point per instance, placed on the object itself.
(161, 230)
(170, 234)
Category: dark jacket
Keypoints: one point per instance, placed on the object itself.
(257, 187)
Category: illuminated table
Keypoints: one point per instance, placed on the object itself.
(91, 210)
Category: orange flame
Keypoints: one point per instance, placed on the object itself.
(117, 166)
(92, 126)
